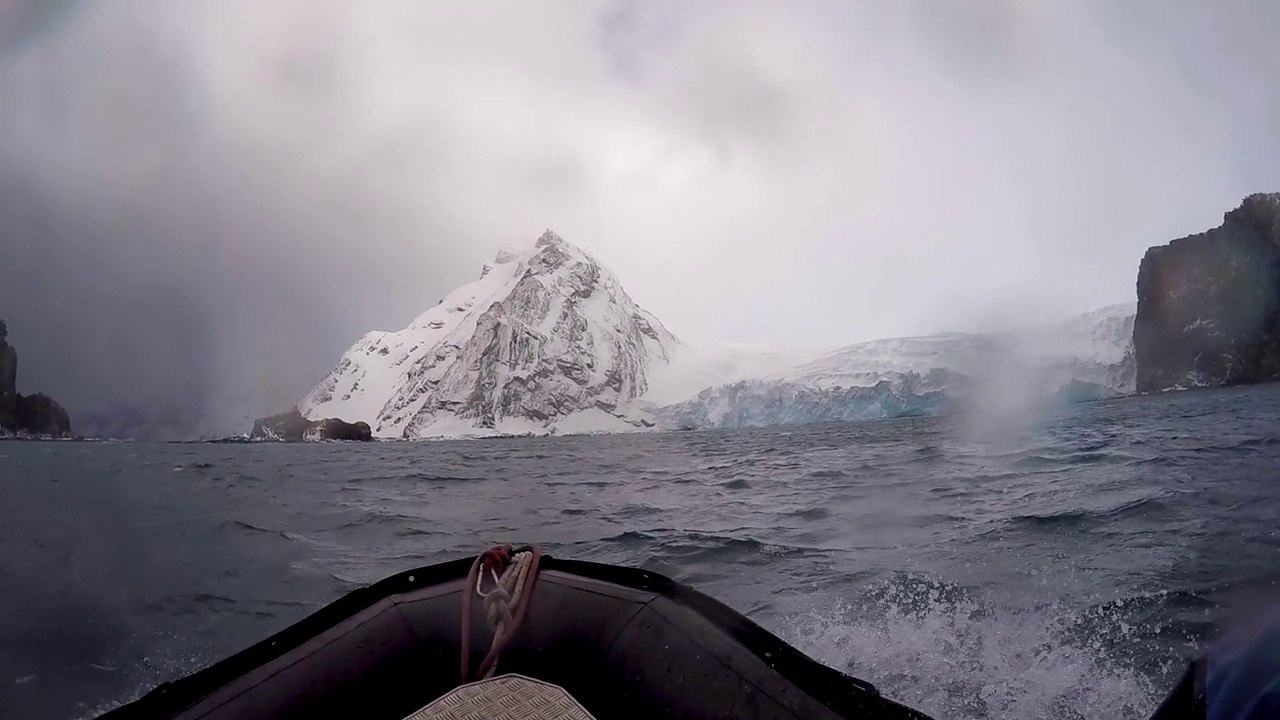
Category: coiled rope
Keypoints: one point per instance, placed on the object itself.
(513, 574)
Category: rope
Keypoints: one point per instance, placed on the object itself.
(504, 603)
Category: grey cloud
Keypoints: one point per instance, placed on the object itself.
(205, 201)
(185, 273)
(987, 45)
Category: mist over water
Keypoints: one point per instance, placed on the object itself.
(1067, 571)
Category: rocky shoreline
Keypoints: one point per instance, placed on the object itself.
(26, 417)
(292, 426)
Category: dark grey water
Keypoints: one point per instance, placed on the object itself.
(972, 571)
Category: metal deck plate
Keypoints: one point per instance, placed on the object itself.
(506, 697)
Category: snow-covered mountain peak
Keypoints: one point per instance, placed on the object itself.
(544, 338)
(548, 238)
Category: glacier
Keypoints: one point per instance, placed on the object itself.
(1026, 369)
(546, 341)
(782, 401)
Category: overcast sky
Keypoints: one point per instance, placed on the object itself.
(202, 199)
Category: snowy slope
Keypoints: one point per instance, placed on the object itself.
(693, 368)
(1102, 338)
(1083, 358)
(544, 341)
(1093, 350)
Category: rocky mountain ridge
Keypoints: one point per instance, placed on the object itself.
(544, 341)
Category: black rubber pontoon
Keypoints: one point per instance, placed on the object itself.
(623, 642)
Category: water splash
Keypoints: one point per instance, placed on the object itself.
(937, 648)
(145, 674)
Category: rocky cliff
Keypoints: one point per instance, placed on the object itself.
(8, 381)
(33, 415)
(1209, 304)
(293, 427)
(42, 416)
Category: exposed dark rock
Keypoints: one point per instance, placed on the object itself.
(1209, 304)
(40, 415)
(8, 382)
(287, 427)
(292, 426)
(26, 415)
(335, 429)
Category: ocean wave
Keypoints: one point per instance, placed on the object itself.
(1156, 461)
(1063, 460)
(251, 529)
(202, 603)
(813, 513)
(632, 511)
(691, 546)
(1080, 518)
(955, 652)
(832, 474)
(1156, 632)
